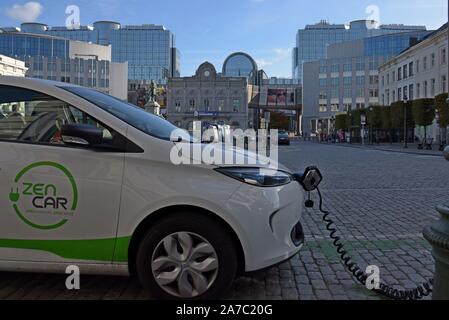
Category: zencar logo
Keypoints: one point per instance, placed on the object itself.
(44, 204)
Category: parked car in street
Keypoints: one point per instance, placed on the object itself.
(283, 138)
(92, 182)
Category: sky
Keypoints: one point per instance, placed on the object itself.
(210, 30)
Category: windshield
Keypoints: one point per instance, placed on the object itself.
(134, 116)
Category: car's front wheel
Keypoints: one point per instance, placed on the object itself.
(187, 256)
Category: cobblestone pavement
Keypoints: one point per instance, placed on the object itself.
(380, 201)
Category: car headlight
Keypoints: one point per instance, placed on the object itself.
(260, 177)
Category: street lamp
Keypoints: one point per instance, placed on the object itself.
(405, 123)
(371, 109)
(440, 136)
(350, 127)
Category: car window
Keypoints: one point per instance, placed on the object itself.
(31, 116)
(134, 116)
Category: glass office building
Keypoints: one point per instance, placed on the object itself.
(239, 64)
(348, 78)
(22, 46)
(58, 59)
(150, 50)
(312, 42)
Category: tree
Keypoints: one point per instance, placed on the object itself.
(374, 117)
(342, 121)
(397, 115)
(443, 111)
(424, 113)
(386, 121)
(279, 121)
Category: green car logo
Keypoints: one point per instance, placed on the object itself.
(42, 204)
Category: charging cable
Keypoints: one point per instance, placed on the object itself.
(418, 293)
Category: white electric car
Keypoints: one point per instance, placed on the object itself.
(88, 180)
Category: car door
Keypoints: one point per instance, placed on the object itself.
(57, 203)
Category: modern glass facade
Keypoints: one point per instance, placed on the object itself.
(348, 78)
(58, 59)
(312, 42)
(22, 46)
(150, 50)
(239, 65)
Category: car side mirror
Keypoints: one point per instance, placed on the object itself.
(310, 179)
(446, 153)
(81, 135)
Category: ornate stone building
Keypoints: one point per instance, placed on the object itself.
(210, 98)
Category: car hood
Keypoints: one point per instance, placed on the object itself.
(217, 154)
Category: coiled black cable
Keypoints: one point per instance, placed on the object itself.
(418, 293)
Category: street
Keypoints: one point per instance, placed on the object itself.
(380, 201)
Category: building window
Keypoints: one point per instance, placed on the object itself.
(191, 105)
(411, 92)
(360, 106)
(399, 74)
(51, 66)
(221, 105)
(37, 66)
(178, 106)
(388, 78)
(360, 65)
(443, 84)
(404, 72)
(410, 69)
(335, 107)
(432, 60)
(360, 80)
(323, 95)
(417, 66)
(405, 92)
(323, 69)
(399, 94)
(347, 67)
(443, 56)
(348, 92)
(323, 82)
(373, 80)
(394, 96)
(335, 93)
(432, 87)
(425, 63)
(374, 93)
(347, 107)
(323, 108)
(207, 105)
(347, 81)
(335, 68)
(394, 77)
(425, 89)
(360, 92)
(418, 90)
(236, 105)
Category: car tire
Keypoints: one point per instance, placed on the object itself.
(206, 233)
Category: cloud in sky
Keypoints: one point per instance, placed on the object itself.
(29, 12)
(279, 56)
